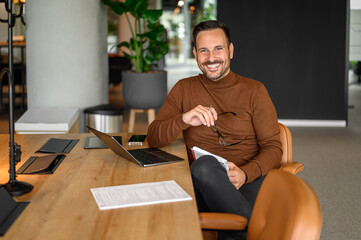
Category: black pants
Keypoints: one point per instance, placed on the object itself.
(215, 193)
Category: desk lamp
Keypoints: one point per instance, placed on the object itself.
(14, 187)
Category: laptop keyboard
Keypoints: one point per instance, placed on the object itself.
(145, 157)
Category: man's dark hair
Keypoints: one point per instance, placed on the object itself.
(210, 25)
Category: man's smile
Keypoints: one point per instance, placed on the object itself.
(212, 66)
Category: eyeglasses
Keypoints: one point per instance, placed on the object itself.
(221, 139)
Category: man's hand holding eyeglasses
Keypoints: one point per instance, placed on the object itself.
(200, 115)
(236, 175)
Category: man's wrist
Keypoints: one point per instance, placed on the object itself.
(245, 176)
(182, 124)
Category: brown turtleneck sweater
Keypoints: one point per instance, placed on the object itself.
(255, 122)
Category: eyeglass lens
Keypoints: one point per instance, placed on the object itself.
(221, 139)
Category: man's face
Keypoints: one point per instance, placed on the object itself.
(213, 54)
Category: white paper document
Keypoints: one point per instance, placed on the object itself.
(199, 152)
(138, 194)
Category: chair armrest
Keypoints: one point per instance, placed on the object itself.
(222, 221)
(293, 168)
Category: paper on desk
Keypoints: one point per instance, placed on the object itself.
(138, 194)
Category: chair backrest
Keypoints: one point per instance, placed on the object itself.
(286, 208)
(286, 140)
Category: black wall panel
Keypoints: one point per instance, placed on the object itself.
(297, 49)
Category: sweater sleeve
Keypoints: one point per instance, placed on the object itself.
(169, 123)
(265, 124)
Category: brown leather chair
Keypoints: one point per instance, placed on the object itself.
(225, 221)
(286, 209)
(286, 163)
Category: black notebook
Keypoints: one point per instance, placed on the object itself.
(41, 165)
(9, 210)
(55, 145)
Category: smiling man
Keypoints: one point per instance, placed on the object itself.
(225, 114)
(213, 53)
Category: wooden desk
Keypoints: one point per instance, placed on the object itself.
(62, 207)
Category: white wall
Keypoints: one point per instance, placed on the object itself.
(67, 64)
(355, 4)
(355, 34)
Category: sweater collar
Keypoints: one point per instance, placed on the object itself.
(227, 81)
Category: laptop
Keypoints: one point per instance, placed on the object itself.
(144, 157)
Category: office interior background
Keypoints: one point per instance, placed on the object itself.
(304, 52)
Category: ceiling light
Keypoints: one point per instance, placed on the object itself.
(180, 3)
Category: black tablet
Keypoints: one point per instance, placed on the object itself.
(96, 143)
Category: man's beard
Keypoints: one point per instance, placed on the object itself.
(224, 68)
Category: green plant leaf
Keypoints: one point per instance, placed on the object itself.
(117, 7)
(158, 56)
(156, 37)
(123, 44)
(148, 59)
(152, 16)
(127, 55)
(134, 44)
(135, 7)
(163, 47)
(147, 42)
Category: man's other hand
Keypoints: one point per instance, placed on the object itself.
(236, 175)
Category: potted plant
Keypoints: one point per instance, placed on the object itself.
(145, 87)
